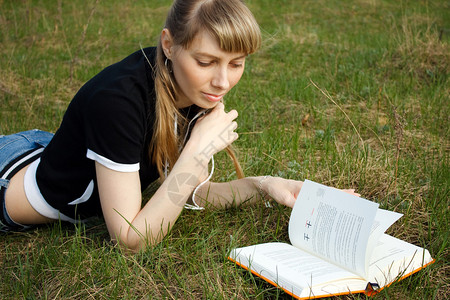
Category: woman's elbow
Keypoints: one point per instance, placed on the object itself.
(135, 241)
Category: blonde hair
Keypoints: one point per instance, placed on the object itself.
(236, 30)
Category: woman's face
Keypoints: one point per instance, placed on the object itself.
(204, 72)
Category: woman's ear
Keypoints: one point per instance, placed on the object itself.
(166, 42)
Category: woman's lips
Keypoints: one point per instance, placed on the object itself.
(213, 98)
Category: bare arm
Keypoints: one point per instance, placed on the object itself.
(120, 196)
(252, 190)
(247, 191)
(120, 193)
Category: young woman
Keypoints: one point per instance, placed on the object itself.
(158, 113)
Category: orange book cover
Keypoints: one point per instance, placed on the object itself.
(338, 246)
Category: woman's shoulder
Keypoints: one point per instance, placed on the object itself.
(143, 56)
(129, 79)
(131, 67)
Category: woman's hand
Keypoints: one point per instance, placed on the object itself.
(283, 191)
(213, 132)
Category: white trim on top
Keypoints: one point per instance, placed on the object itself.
(36, 199)
(111, 164)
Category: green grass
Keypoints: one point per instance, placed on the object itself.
(384, 63)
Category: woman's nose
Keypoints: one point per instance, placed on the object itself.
(220, 79)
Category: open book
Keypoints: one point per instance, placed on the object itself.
(338, 247)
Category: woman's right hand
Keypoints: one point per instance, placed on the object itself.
(213, 132)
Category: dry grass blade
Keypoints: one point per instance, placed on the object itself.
(328, 96)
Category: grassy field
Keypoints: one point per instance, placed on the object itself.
(347, 93)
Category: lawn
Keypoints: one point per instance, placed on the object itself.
(352, 94)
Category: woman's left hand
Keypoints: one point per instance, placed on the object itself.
(283, 191)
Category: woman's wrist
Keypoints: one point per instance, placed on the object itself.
(187, 163)
(191, 153)
(201, 155)
(262, 191)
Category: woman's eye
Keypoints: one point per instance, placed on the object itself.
(236, 64)
(203, 63)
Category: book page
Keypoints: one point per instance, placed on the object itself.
(383, 220)
(289, 267)
(333, 225)
(393, 258)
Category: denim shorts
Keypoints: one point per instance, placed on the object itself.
(17, 151)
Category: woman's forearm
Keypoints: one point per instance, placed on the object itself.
(227, 194)
(249, 190)
(211, 134)
(159, 214)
